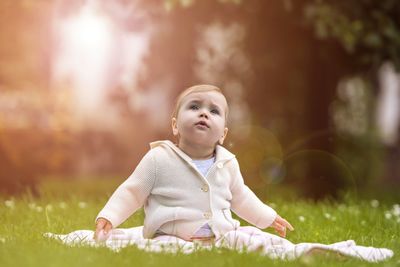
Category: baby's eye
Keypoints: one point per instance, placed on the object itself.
(194, 107)
(215, 111)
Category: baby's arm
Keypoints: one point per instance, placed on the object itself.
(249, 207)
(129, 196)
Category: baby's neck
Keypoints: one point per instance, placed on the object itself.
(197, 152)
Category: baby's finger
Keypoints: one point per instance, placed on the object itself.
(99, 226)
(284, 222)
(107, 228)
(96, 234)
(281, 229)
(282, 232)
(278, 225)
(288, 225)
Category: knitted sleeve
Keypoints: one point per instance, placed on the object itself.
(246, 204)
(132, 193)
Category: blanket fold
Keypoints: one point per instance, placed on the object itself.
(247, 238)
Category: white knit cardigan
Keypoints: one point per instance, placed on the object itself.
(178, 199)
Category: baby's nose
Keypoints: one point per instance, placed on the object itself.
(203, 114)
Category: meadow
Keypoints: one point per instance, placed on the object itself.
(67, 206)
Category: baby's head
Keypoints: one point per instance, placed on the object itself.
(200, 116)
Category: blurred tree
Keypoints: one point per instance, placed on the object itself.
(295, 83)
(18, 171)
(369, 31)
(28, 146)
(24, 51)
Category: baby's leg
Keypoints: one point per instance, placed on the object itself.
(250, 238)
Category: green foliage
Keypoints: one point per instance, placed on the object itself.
(367, 29)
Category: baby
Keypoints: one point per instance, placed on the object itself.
(189, 189)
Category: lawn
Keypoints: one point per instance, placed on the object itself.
(65, 207)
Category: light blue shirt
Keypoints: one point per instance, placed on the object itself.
(204, 165)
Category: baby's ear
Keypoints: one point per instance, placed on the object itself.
(174, 127)
(221, 140)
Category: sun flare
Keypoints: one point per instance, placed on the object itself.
(85, 50)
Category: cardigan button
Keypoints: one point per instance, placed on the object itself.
(220, 165)
(207, 215)
(204, 188)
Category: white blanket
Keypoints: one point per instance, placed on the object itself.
(243, 239)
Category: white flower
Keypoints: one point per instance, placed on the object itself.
(32, 205)
(9, 204)
(327, 215)
(39, 209)
(82, 205)
(388, 215)
(374, 203)
(396, 210)
(62, 205)
(302, 219)
(2, 240)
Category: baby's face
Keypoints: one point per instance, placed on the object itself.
(201, 119)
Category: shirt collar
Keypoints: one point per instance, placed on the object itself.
(221, 153)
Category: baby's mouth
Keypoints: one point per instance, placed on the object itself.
(202, 123)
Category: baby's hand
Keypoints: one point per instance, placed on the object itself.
(280, 225)
(103, 227)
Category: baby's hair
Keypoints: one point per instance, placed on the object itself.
(196, 89)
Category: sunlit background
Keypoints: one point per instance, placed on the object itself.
(313, 88)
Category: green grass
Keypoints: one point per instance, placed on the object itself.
(64, 207)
